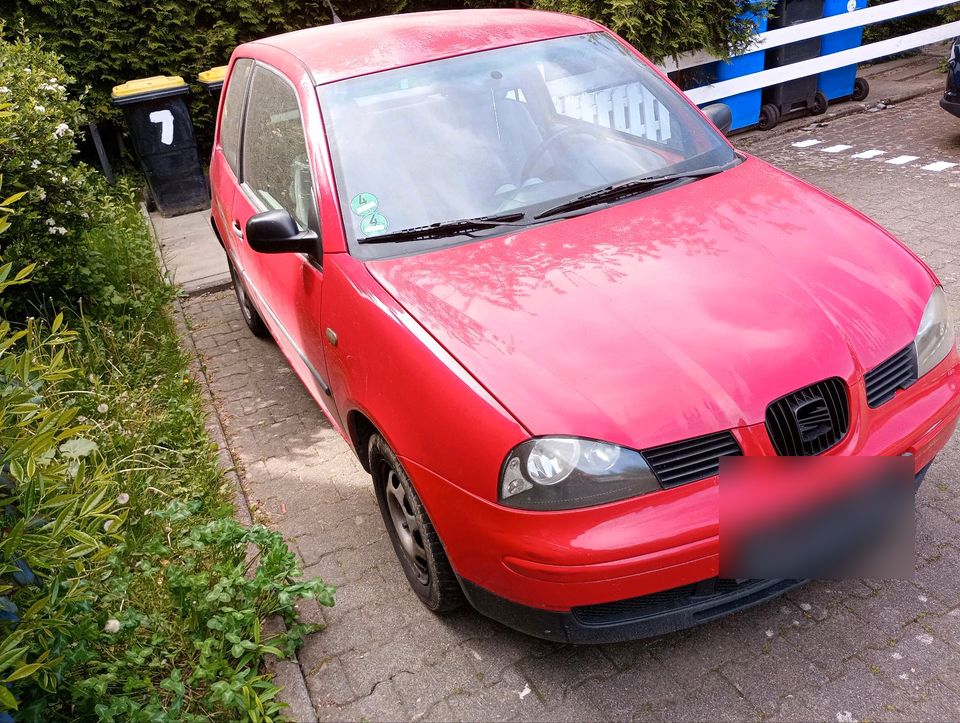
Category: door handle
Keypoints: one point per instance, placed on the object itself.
(237, 231)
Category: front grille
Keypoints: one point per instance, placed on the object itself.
(702, 601)
(897, 372)
(692, 459)
(810, 420)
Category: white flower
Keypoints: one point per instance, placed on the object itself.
(61, 230)
(4, 89)
(28, 71)
(39, 109)
(107, 525)
(35, 163)
(50, 222)
(112, 626)
(53, 230)
(60, 130)
(103, 408)
(64, 179)
(123, 498)
(85, 214)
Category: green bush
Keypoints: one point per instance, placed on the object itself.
(665, 28)
(61, 198)
(61, 519)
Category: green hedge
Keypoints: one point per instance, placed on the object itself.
(665, 28)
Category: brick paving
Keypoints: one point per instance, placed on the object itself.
(857, 650)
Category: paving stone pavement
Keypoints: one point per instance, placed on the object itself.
(857, 650)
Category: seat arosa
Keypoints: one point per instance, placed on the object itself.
(541, 297)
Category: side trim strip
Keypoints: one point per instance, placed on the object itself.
(266, 307)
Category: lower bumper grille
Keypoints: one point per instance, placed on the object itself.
(703, 601)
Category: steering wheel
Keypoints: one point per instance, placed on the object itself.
(537, 153)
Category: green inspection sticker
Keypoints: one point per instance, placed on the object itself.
(364, 204)
(373, 224)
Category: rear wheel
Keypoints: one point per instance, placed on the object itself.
(820, 104)
(416, 543)
(250, 315)
(769, 117)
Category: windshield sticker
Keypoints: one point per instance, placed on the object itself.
(364, 204)
(373, 224)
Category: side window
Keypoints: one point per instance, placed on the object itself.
(276, 167)
(233, 113)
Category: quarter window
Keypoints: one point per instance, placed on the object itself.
(276, 166)
(233, 112)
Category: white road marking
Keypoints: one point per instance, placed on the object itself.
(902, 160)
(933, 167)
(938, 166)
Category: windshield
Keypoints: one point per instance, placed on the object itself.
(518, 129)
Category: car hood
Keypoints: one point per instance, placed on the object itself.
(679, 313)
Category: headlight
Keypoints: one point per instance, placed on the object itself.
(935, 335)
(563, 473)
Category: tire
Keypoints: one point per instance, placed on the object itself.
(861, 89)
(250, 315)
(769, 117)
(411, 532)
(820, 104)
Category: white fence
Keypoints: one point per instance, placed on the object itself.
(627, 108)
(817, 28)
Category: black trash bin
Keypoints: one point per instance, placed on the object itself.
(163, 137)
(212, 80)
(802, 94)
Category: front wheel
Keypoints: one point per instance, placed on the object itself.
(411, 532)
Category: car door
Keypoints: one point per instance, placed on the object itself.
(276, 174)
(225, 160)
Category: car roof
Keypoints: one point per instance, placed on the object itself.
(344, 50)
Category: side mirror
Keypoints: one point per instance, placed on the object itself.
(277, 232)
(720, 115)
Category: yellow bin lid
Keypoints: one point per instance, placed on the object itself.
(155, 87)
(214, 75)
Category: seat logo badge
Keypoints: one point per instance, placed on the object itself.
(813, 419)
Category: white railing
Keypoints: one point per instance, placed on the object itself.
(813, 29)
(627, 108)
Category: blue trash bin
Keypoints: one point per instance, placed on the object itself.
(745, 107)
(842, 82)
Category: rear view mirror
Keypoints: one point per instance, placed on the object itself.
(720, 115)
(277, 232)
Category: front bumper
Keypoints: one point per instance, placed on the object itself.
(645, 616)
(545, 566)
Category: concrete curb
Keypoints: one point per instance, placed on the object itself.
(287, 674)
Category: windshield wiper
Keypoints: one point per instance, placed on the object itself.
(445, 228)
(626, 188)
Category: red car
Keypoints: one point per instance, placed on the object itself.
(541, 296)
